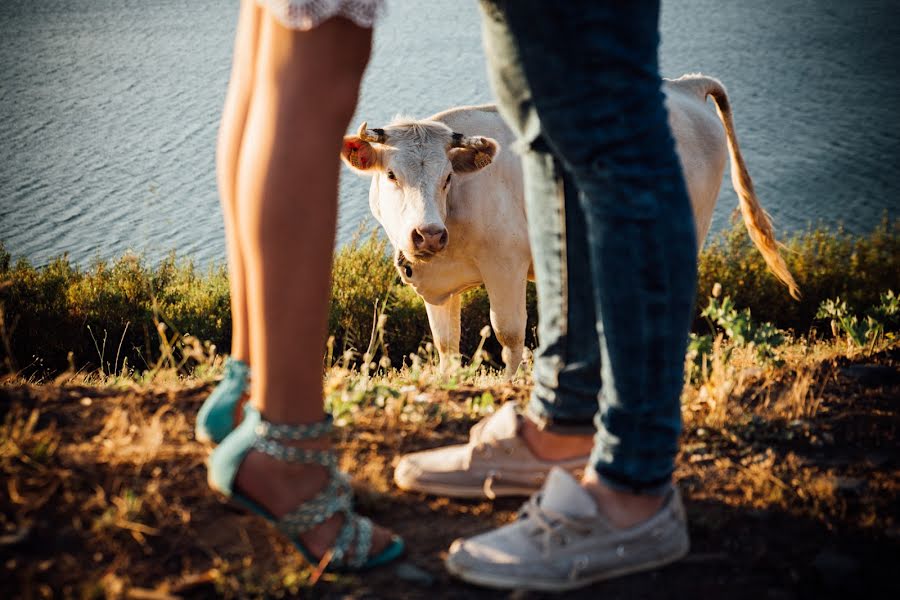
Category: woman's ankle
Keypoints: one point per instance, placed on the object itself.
(280, 485)
(277, 485)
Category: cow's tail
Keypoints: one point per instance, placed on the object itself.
(757, 221)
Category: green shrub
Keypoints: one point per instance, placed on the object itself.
(107, 313)
(739, 328)
(826, 264)
(362, 278)
(59, 308)
(880, 321)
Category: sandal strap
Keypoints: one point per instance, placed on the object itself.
(280, 431)
(363, 542)
(342, 541)
(335, 497)
(356, 529)
(279, 451)
(270, 435)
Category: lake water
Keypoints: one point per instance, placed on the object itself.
(109, 110)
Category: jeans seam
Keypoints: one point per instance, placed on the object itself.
(564, 247)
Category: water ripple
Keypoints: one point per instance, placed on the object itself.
(109, 110)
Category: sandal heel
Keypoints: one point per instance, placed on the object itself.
(216, 417)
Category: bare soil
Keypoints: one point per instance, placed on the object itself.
(103, 494)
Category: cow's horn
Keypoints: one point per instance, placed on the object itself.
(376, 135)
(482, 158)
(461, 141)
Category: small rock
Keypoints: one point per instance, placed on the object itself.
(850, 485)
(11, 539)
(834, 567)
(413, 574)
(878, 459)
(873, 375)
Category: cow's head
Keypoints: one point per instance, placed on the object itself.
(413, 164)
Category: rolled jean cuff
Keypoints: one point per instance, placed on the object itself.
(658, 487)
(537, 414)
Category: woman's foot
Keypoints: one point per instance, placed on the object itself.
(280, 487)
(288, 475)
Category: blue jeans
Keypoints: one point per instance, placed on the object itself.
(610, 225)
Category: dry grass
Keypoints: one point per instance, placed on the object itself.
(103, 488)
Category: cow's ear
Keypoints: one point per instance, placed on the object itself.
(359, 155)
(475, 156)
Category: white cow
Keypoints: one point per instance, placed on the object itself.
(453, 206)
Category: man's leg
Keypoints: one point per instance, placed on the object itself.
(594, 84)
(592, 77)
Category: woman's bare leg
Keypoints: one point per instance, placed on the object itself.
(305, 89)
(231, 131)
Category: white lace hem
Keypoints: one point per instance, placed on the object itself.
(304, 15)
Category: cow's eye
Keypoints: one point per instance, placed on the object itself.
(391, 176)
(446, 183)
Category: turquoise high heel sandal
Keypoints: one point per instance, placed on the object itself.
(257, 434)
(216, 417)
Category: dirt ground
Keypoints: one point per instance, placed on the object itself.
(104, 494)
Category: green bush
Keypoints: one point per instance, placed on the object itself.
(108, 312)
(59, 308)
(826, 264)
(880, 321)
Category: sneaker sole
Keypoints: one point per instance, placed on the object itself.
(465, 492)
(551, 585)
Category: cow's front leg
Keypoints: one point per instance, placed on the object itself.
(508, 316)
(444, 322)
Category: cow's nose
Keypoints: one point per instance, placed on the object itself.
(432, 238)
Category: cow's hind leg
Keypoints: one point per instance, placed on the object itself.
(444, 322)
(508, 318)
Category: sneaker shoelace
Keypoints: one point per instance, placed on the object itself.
(553, 527)
(481, 440)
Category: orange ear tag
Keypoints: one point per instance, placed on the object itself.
(482, 159)
(353, 158)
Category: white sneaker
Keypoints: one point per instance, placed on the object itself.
(495, 462)
(561, 542)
